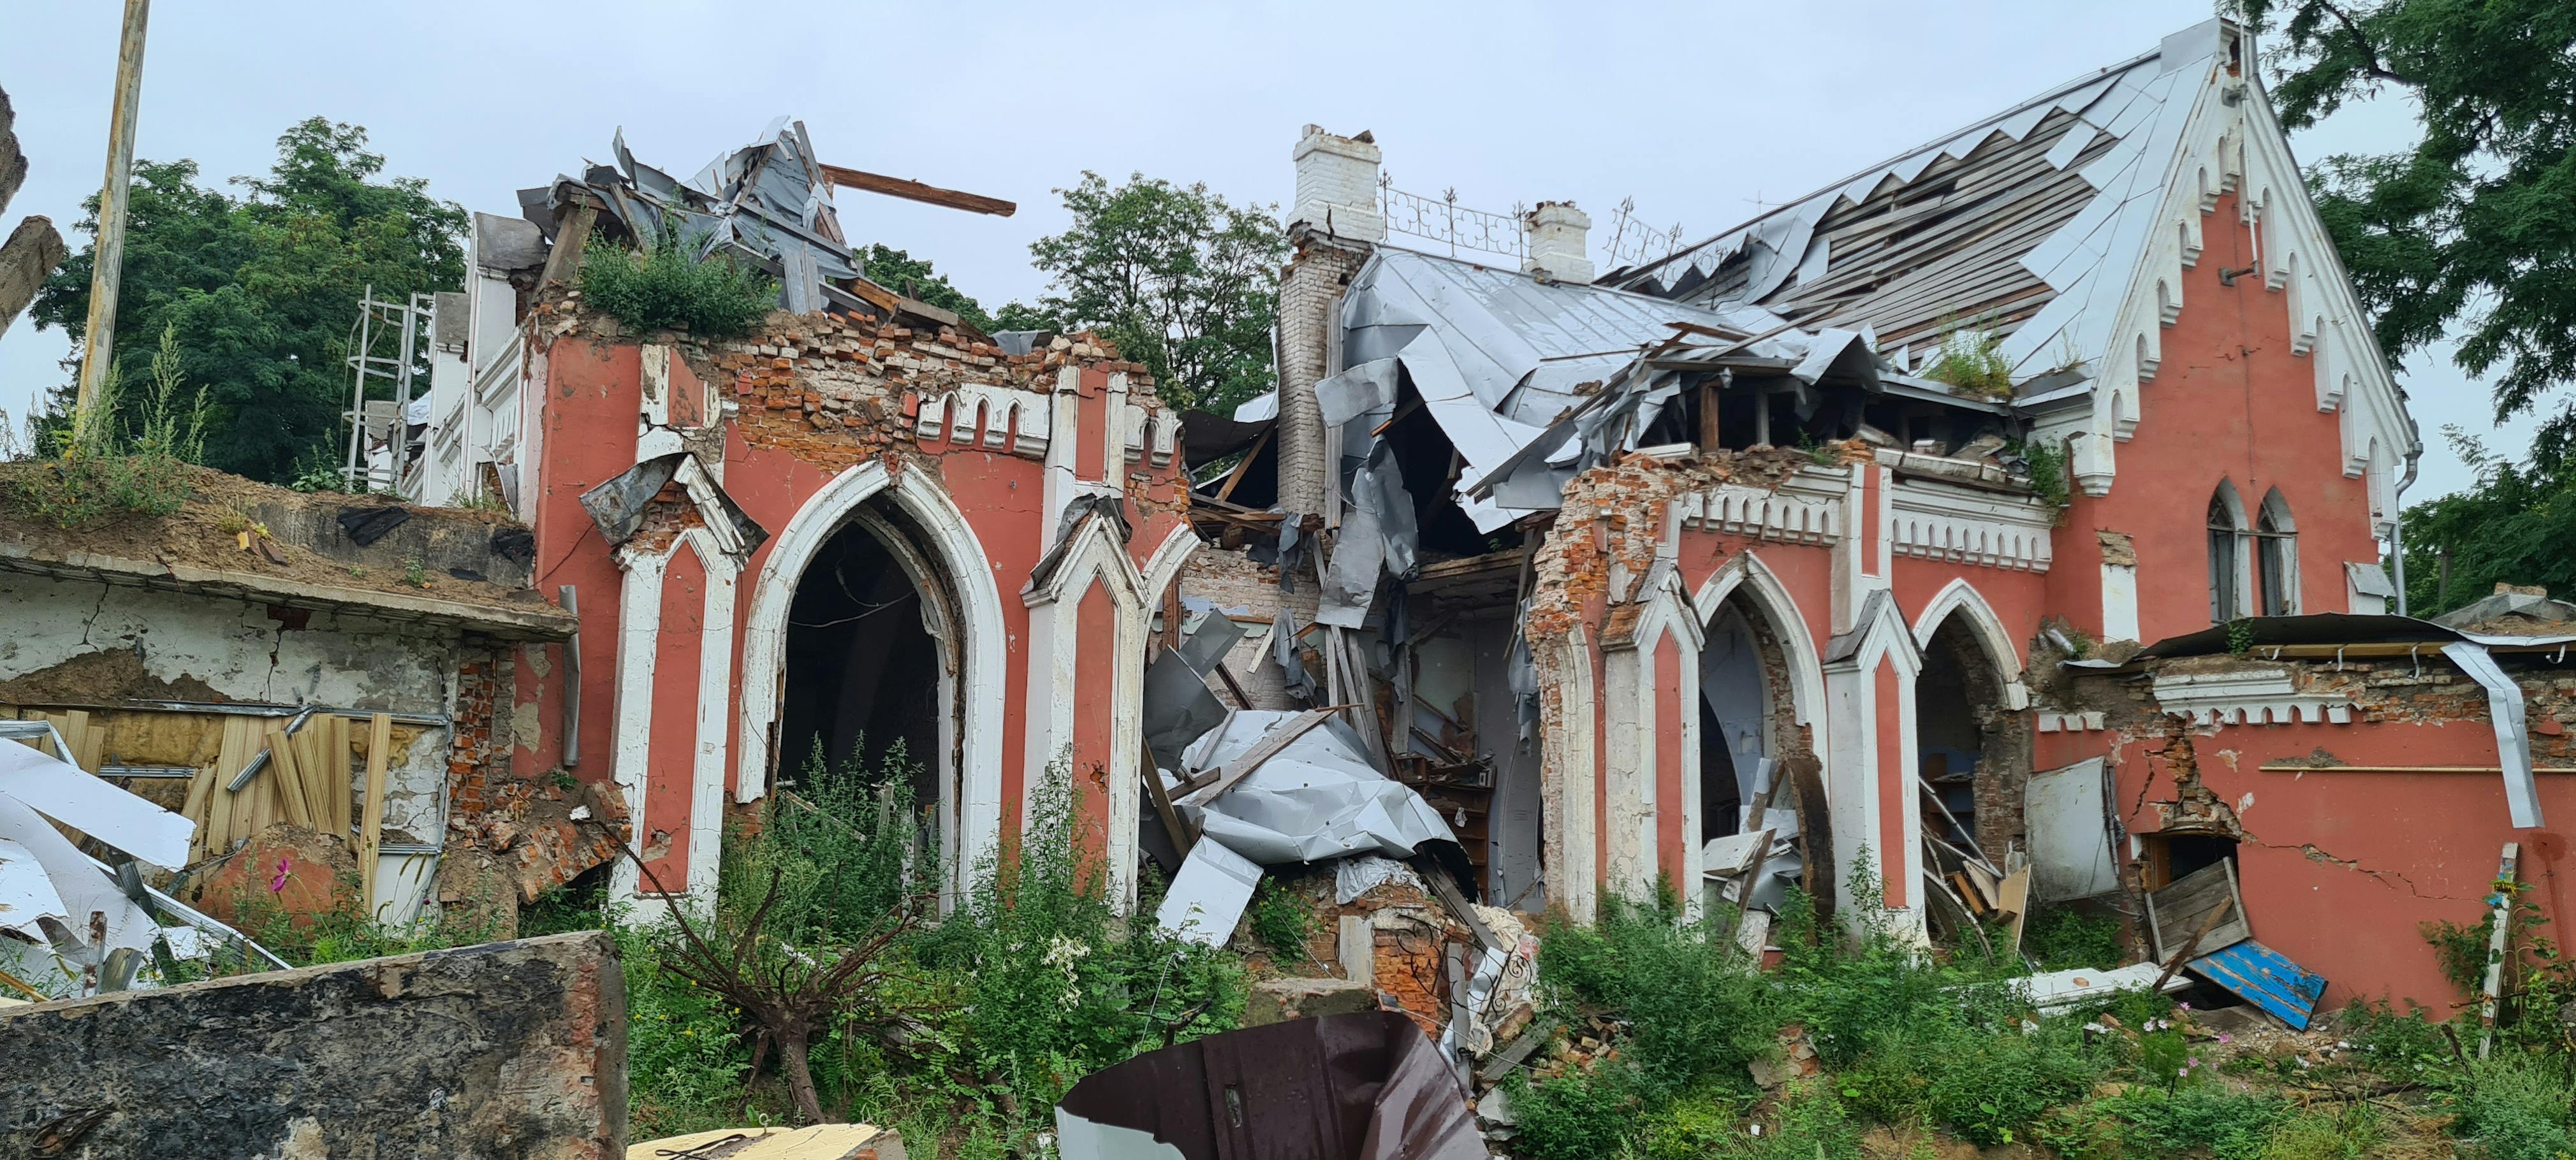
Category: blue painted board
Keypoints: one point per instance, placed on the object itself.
(2259, 975)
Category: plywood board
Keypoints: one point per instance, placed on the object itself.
(2174, 912)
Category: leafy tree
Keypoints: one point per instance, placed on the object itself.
(2511, 527)
(1178, 277)
(913, 277)
(259, 291)
(2470, 225)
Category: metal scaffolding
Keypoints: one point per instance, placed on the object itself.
(382, 347)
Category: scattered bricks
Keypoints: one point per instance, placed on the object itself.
(1280, 1000)
(504, 1049)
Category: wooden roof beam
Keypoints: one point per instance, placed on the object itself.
(916, 191)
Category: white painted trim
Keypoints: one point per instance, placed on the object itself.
(1632, 681)
(1958, 525)
(1163, 565)
(639, 632)
(982, 701)
(1962, 597)
(1572, 843)
(1771, 600)
(1093, 555)
(1854, 766)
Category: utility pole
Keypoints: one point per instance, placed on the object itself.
(98, 347)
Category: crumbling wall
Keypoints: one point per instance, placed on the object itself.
(235, 650)
(2362, 831)
(1235, 582)
(514, 1049)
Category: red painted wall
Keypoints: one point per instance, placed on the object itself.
(1670, 713)
(1095, 662)
(1895, 786)
(2228, 401)
(671, 756)
(2339, 870)
(587, 427)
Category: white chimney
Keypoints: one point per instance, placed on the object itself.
(1337, 185)
(1554, 238)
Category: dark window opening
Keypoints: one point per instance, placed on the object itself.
(863, 672)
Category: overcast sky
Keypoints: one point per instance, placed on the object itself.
(1699, 112)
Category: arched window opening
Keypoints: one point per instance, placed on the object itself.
(2276, 545)
(2227, 534)
(869, 662)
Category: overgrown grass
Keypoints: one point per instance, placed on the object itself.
(1972, 360)
(664, 285)
(118, 460)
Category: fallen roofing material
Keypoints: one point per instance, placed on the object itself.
(817, 1142)
(1341, 1087)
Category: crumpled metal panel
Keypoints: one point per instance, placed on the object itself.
(1318, 798)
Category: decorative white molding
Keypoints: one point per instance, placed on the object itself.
(2072, 722)
(1807, 509)
(1091, 555)
(971, 824)
(1957, 525)
(990, 417)
(1856, 771)
(1962, 598)
(2249, 696)
(1151, 435)
(1632, 682)
(639, 639)
(1772, 603)
(1572, 863)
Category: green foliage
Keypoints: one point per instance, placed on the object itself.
(2240, 635)
(1179, 278)
(2509, 527)
(2047, 466)
(1280, 921)
(1973, 361)
(687, 1052)
(260, 290)
(118, 459)
(2229, 1125)
(2518, 1107)
(2062, 938)
(913, 278)
(1813, 1124)
(2467, 227)
(668, 285)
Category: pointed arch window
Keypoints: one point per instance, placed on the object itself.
(2276, 553)
(2227, 562)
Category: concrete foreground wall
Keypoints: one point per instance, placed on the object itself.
(510, 1049)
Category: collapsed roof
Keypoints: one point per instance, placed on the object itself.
(2027, 225)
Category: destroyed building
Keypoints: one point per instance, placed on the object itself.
(1936, 524)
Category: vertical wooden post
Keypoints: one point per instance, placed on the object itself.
(2499, 944)
(98, 342)
(371, 822)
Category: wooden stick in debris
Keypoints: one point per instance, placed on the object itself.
(371, 822)
(1445, 888)
(1965, 834)
(1268, 747)
(337, 769)
(1242, 700)
(2225, 904)
(2500, 934)
(1174, 826)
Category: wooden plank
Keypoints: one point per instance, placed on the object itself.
(860, 179)
(2259, 975)
(1235, 475)
(201, 789)
(285, 780)
(371, 818)
(339, 775)
(1174, 826)
(214, 834)
(2173, 911)
(2225, 906)
(1268, 747)
(1445, 888)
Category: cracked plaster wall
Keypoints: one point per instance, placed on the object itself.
(246, 654)
(2340, 869)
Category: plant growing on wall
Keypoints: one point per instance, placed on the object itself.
(120, 458)
(1972, 360)
(665, 284)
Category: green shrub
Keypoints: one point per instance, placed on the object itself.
(665, 285)
(2518, 1107)
(2230, 1125)
(1280, 921)
(1990, 1088)
(2059, 938)
(1577, 1114)
(1972, 361)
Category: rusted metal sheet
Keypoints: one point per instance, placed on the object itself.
(1342, 1087)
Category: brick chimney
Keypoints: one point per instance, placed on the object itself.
(1337, 186)
(1333, 228)
(1555, 240)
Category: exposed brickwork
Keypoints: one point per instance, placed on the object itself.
(1308, 290)
(479, 740)
(1233, 580)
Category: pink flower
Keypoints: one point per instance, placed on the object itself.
(278, 882)
(2222, 1037)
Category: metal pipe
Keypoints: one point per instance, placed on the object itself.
(98, 346)
(572, 679)
(2397, 528)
